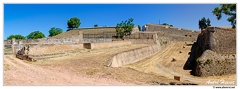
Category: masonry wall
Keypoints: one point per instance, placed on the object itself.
(213, 53)
(173, 34)
(212, 63)
(96, 40)
(143, 38)
(106, 44)
(48, 49)
(132, 56)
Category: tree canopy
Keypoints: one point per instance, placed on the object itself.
(73, 23)
(203, 23)
(227, 9)
(35, 35)
(139, 27)
(125, 27)
(95, 25)
(16, 37)
(54, 31)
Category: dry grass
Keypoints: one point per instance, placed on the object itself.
(8, 50)
(6, 66)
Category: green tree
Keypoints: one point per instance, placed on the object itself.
(35, 35)
(73, 23)
(203, 23)
(227, 9)
(95, 25)
(171, 25)
(54, 31)
(139, 27)
(16, 37)
(164, 24)
(208, 22)
(124, 28)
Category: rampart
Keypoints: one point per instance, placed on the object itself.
(132, 56)
(173, 34)
(213, 53)
(105, 44)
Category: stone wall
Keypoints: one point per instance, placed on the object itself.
(106, 44)
(211, 63)
(173, 34)
(132, 56)
(143, 38)
(213, 53)
(96, 40)
(49, 49)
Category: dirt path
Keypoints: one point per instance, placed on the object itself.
(162, 64)
(21, 73)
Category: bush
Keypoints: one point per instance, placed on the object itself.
(16, 37)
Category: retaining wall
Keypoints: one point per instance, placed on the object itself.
(132, 56)
(47, 49)
(105, 44)
(96, 40)
(143, 38)
(213, 53)
(212, 63)
(173, 34)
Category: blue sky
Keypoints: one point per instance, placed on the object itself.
(25, 18)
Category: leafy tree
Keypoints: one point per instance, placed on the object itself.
(171, 25)
(35, 35)
(203, 23)
(124, 28)
(73, 23)
(95, 25)
(227, 9)
(54, 31)
(164, 24)
(16, 37)
(139, 27)
(208, 22)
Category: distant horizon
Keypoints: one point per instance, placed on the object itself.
(25, 18)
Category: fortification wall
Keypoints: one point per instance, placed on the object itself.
(143, 38)
(173, 34)
(132, 56)
(213, 53)
(106, 44)
(48, 49)
(96, 40)
(211, 63)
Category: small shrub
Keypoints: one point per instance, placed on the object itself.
(197, 59)
(207, 62)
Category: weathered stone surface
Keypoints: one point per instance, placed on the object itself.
(213, 53)
(211, 63)
(132, 56)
